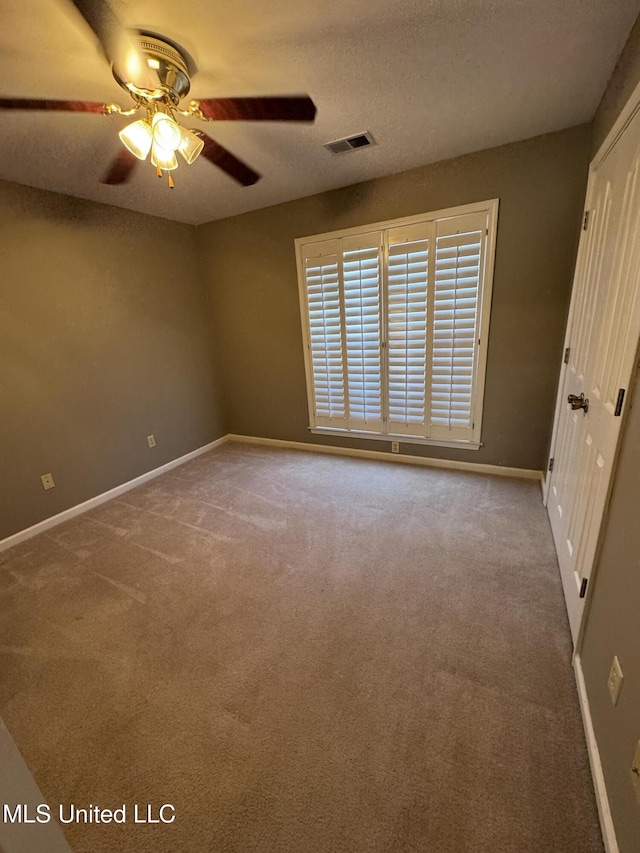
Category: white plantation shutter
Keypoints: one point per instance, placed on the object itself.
(397, 321)
(362, 319)
(407, 284)
(323, 299)
(458, 262)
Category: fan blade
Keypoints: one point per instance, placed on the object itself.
(120, 169)
(63, 106)
(229, 163)
(295, 108)
(117, 42)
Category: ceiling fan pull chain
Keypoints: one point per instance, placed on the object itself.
(158, 171)
(171, 184)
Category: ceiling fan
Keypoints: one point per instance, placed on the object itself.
(156, 73)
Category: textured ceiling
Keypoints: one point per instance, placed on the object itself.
(431, 79)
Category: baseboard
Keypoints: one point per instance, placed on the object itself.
(66, 514)
(544, 485)
(473, 467)
(606, 821)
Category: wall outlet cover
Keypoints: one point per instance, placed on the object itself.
(47, 481)
(615, 680)
(395, 447)
(152, 440)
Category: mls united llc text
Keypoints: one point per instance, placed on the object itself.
(43, 813)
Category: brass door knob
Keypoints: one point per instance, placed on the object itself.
(580, 402)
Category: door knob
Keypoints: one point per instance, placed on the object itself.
(580, 402)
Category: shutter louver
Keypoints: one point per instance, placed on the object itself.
(361, 283)
(325, 339)
(407, 278)
(458, 268)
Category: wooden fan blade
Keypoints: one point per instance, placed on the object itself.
(121, 168)
(118, 43)
(228, 162)
(64, 106)
(294, 108)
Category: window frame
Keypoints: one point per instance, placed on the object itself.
(485, 292)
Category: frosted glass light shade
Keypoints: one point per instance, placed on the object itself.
(137, 137)
(166, 132)
(191, 145)
(162, 158)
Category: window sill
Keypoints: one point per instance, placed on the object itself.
(402, 439)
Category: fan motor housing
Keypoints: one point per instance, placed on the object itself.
(168, 63)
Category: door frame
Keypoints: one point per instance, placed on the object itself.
(626, 116)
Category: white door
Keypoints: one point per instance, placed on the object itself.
(602, 341)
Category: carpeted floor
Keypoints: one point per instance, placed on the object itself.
(303, 654)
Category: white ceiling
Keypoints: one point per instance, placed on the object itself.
(431, 79)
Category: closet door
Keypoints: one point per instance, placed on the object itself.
(602, 343)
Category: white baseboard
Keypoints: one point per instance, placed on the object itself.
(545, 482)
(54, 520)
(474, 467)
(606, 821)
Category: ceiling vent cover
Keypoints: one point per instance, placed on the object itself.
(350, 143)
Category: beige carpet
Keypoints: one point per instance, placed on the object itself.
(303, 654)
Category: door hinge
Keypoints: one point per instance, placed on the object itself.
(566, 355)
(585, 220)
(618, 410)
(551, 464)
(583, 587)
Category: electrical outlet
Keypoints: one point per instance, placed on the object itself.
(615, 680)
(152, 440)
(395, 447)
(47, 481)
(635, 771)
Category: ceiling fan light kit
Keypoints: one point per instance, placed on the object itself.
(162, 159)
(160, 134)
(191, 145)
(138, 138)
(157, 76)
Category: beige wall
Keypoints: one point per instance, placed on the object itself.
(250, 266)
(625, 77)
(105, 338)
(613, 622)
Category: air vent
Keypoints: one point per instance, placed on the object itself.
(350, 143)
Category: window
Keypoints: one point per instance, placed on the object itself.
(395, 325)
